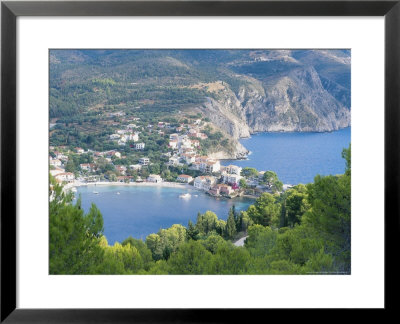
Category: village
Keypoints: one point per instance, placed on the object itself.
(182, 153)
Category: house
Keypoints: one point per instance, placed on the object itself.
(173, 161)
(188, 158)
(195, 166)
(204, 182)
(173, 144)
(65, 177)
(226, 190)
(55, 162)
(184, 178)
(195, 143)
(114, 136)
(117, 114)
(79, 150)
(133, 137)
(232, 179)
(210, 166)
(56, 171)
(135, 166)
(121, 142)
(155, 178)
(233, 169)
(110, 154)
(144, 161)
(139, 146)
(200, 135)
(61, 156)
(88, 167)
(121, 169)
(124, 179)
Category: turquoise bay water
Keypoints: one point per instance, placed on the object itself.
(296, 157)
(140, 211)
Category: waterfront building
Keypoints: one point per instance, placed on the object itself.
(155, 178)
(233, 169)
(184, 178)
(65, 177)
(204, 182)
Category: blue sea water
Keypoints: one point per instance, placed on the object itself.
(140, 211)
(296, 157)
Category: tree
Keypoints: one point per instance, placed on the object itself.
(192, 232)
(265, 211)
(230, 231)
(271, 180)
(249, 172)
(191, 258)
(242, 183)
(296, 205)
(74, 245)
(206, 222)
(330, 214)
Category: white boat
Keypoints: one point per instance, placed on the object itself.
(95, 192)
(185, 196)
(73, 189)
(117, 193)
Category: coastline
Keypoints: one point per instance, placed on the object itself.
(133, 184)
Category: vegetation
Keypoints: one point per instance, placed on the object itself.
(305, 230)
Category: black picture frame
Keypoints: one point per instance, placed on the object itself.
(10, 10)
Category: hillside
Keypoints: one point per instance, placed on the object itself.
(239, 91)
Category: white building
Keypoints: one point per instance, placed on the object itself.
(204, 182)
(65, 177)
(115, 136)
(87, 167)
(233, 169)
(210, 166)
(184, 178)
(139, 146)
(135, 166)
(173, 161)
(121, 169)
(188, 158)
(232, 178)
(144, 161)
(55, 162)
(173, 144)
(155, 178)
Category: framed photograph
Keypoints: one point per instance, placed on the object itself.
(177, 156)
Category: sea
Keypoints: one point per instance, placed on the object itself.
(296, 157)
(138, 211)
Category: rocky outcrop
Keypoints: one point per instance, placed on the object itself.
(295, 101)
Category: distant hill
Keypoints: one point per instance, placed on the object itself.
(240, 91)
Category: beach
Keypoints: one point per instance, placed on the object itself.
(78, 183)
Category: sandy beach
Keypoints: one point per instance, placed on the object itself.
(133, 184)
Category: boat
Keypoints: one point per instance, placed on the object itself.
(96, 192)
(185, 196)
(117, 193)
(73, 189)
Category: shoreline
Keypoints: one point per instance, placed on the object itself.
(133, 184)
(148, 184)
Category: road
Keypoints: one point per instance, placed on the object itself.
(240, 242)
